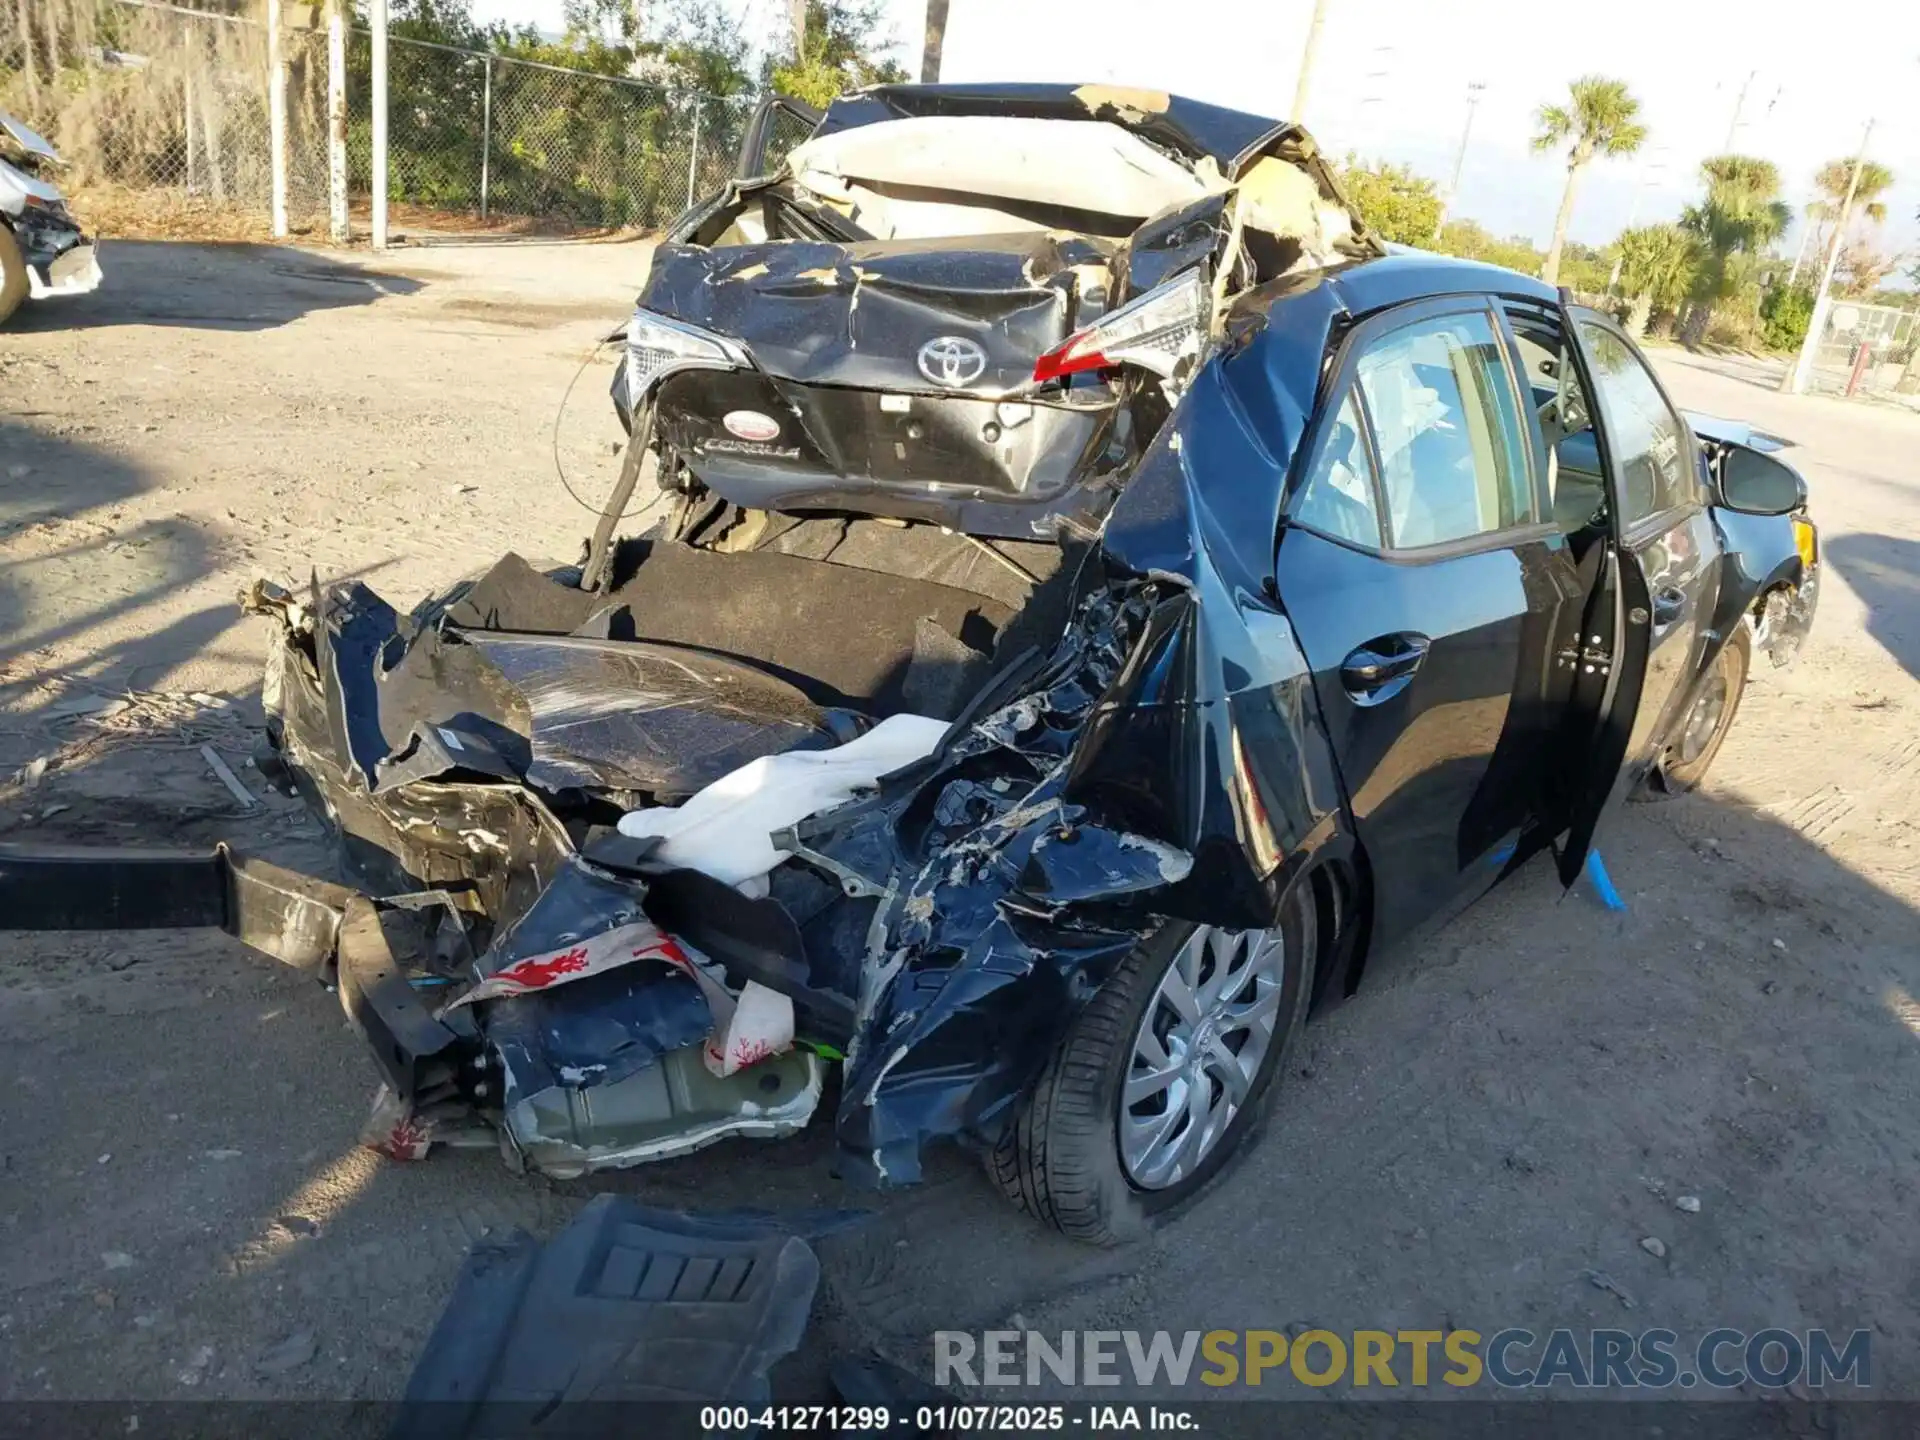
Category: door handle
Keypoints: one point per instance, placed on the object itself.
(1669, 605)
(1379, 668)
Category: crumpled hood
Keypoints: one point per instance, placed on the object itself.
(858, 314)
(27, 139)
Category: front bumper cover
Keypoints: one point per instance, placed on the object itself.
(61, 260)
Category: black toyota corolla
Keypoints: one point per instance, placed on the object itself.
(1259, 596)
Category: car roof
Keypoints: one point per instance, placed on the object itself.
(1406, 275)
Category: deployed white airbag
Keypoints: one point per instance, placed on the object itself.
(1074, 164)
(726, 830)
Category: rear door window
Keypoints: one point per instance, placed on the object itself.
(1446, 426)
(1338, 499)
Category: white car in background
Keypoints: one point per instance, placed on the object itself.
(43, 252)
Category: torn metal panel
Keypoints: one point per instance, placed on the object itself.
(598, 1031)
(1785, 617)
(857, 314)
(757, 941)
(489, 844)
(1768, 578)
(663, 721)
(422, 1058)
(1047, 842)
(355, 635)
(32, 142)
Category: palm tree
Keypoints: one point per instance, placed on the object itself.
(934, 42)
(1831, 180)
(1600, 120)
(1657, 265)
(1741, 216)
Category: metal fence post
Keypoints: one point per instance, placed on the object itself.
(277, 120)
(186, 117)
(338, 225)
(378, 80)
(693, 152)
(486, 136)
(1862, 357)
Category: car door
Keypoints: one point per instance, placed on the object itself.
(778, 123)
(1662, 580)
(1431, 596)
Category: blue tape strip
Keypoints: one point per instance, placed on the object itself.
(1603, 882)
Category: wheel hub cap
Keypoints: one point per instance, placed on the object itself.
(1198, 1050)
(1704, 719)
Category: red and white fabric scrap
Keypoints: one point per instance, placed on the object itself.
(394, 1130)
(595, 955)
(747, 1029)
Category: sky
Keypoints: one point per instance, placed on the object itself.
(1391, 75)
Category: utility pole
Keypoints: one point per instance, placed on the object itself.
(337, 222)
(1794, 382)
(1300, 86)
(1738, 105)
(1806, 234)
(277, 120)
(1474, 88)
(377, 15)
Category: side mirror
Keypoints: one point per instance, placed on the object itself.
(1757, 484)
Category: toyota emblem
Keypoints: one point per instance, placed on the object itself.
(952, 361)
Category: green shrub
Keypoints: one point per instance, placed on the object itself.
(1784, 314)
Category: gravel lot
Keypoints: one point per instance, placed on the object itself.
(1513, 1102)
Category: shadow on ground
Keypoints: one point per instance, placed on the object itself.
(169, 283)
(1884, 571)
(1499, 1113)
(98, 570)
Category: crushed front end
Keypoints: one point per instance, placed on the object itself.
(60, 259)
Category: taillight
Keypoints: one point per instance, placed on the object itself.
(1155, 331)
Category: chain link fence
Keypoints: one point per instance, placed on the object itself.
(492, 135)
(161, 111)
(1868, 350)
(162, 114)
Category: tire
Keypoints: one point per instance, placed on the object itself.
(1063, 1162)
(1705, 726)
(13, 274)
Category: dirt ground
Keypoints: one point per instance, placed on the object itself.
(1514, 1102)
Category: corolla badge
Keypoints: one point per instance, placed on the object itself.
(751, 425)
(952, 361)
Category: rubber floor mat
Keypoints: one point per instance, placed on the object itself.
(626, 1323)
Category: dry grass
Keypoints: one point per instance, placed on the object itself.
(118, 211)
(111, 210)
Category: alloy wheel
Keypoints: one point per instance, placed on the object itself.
(1198, 1051)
